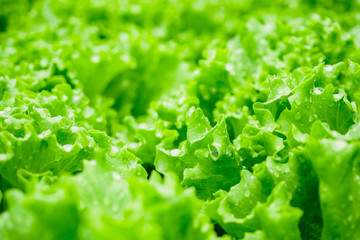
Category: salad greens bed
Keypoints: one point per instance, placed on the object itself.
(180, 119)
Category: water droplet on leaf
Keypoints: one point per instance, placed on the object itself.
(297, 116)
(175, 152)
(318, 90)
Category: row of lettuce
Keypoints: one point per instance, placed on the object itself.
(179, 120)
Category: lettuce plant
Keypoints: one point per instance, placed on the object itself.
(179, 119)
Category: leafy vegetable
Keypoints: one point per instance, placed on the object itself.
(179, 119)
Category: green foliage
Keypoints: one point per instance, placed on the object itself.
(179, 119)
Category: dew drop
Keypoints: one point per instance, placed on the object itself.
(328, 68)
(114, 150)
(68, 147)
(318, 90)
(138, 172)
(175, 152)
(297, 116)
(298, 102)
(247, 193)
(215, 154)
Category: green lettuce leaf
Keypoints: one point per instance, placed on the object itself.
(336, 164)
(207, 160)
(101, 204)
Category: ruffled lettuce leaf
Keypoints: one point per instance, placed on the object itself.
(336, 163)
(243, 211)
(101, 204)
(206, 160)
